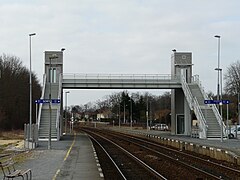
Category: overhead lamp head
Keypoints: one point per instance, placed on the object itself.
(32, 34)
(217, 36)
(218, 69)
(63, 49)
(174, 50)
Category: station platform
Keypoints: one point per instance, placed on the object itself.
(73, 157)
(228, 149)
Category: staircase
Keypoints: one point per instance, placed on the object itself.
(207, 115)
(44, 113)
(44, 125)
(213, 127)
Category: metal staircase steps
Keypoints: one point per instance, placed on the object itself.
(213, 127)
(45, 114)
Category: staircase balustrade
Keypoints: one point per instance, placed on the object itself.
(194, 105)
(213, 106)
(203, 124)
(59, 106)
(187, 92)
(42, 97)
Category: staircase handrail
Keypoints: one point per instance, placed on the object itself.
(219, 117)
(199, 115)
(187, 92)
(213, 106)
(195, 79)
(59, 106)
(194, 105)
(42, 97)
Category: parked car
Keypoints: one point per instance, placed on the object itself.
(232, 132)
(161, 127)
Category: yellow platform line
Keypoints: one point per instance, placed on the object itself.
(66, 156)
(69, 150)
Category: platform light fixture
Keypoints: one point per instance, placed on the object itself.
(30, 84)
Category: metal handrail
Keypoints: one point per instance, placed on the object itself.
(58, 109)
(213, 106)
(122, 76)
(199, 115)
(219, 118)
(42, 97)
(187, 92)
(194, 105)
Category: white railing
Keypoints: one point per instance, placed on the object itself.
(194, 105)
(122, 76)
(203, 124)
(195, 79)
(42, 97)
(213, 106)
(187, 92)
(59, 106)
(219, 118)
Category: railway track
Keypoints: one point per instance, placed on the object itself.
(118, 163)
(217, 169)
(170, 163)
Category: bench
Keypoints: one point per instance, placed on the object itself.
(9, 171)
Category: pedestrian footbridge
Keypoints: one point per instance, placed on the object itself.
(187, 95)
(120, 81)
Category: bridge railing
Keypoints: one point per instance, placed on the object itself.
(42, 97)
(122, 76)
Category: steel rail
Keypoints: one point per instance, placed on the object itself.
(185, 154)
(116, 166)
(134, 157)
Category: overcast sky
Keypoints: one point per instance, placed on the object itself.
(122, 36)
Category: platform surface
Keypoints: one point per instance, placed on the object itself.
(71, 158)
(232, 145)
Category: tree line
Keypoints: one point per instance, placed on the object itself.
(125, 106)
(14, 93)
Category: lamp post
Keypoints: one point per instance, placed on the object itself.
(218, 85)
(30, 85)
(220, 99)
(124, 117)
(147, 112)
(131, 113)
(119, 117)
(66, 111)
(218, 66)
(54, 56)
(238, 108)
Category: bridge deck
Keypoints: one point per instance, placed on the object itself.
(118, 81)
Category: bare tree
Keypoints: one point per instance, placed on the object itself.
(14, 92)
(232, 79)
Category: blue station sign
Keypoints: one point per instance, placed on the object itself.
(216, 101)
(44, 101)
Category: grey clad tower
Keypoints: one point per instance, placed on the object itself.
(181, 63)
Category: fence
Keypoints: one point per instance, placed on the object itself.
(30, 139)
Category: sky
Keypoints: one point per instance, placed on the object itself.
(122, 36)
